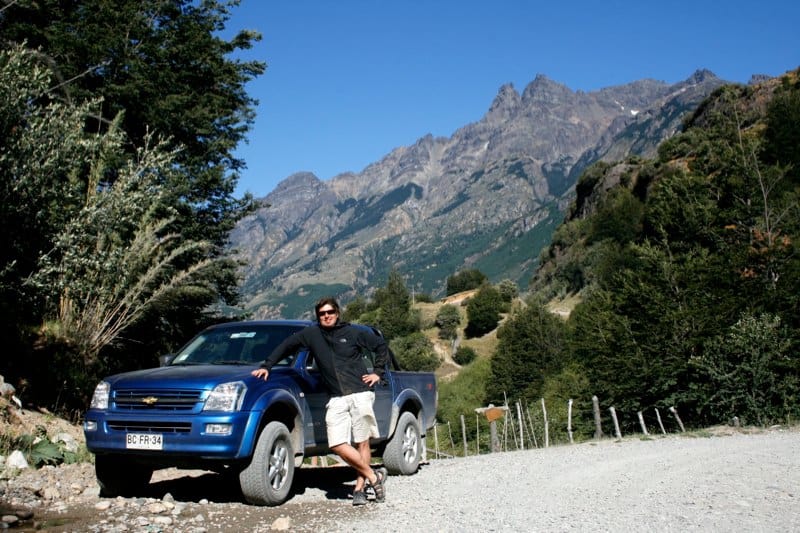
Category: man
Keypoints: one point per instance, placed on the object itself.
(336, 348)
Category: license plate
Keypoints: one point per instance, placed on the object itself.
(144, 441)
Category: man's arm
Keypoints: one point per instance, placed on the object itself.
(377, 345)
(289, 345)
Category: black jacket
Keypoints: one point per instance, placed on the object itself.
(338, 353)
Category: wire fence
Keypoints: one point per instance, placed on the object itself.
(520, 426)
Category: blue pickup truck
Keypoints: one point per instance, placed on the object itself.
(202, 409)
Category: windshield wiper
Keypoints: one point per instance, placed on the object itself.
(233, 362)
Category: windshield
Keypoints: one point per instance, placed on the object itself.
(243, 345)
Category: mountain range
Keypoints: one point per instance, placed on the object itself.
(487, 197)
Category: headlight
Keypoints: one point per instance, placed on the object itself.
(226, 397)
(100, 396)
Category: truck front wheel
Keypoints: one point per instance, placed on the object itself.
(268, 478)
(403, 452)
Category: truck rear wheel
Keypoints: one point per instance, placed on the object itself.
(268, 478)
(403, 452)
(118, 476)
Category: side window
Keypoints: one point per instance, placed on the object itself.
(311, 363)
(369, 359)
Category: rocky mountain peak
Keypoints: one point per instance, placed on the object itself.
(702, 75)
(487, 197)
(298, 180)
(543, 89)
(505, 104)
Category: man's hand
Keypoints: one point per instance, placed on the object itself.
(261, 373)
(370, 379)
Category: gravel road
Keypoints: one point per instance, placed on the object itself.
(733, 481)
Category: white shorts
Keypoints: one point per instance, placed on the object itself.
(351, 418)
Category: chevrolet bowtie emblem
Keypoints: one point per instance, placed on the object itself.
(149, 400)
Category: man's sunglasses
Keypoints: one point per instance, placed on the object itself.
(326, 312)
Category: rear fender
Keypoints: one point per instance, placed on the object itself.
(407, 400)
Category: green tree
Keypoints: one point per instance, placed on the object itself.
(463, 394)
(415, 352)
(354, 309)
(110, 255)
(159, 67)
(531, 345)
(394, 316)
(448, 319)
(751, 372)
(465, 280)
(483, 311)
(508, 290)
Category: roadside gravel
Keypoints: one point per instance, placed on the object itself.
(732, 481)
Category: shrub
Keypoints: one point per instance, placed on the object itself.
(448, 319)
(464, 355)
(415, 352)
(483, 311)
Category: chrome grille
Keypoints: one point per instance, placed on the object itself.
(157, 400)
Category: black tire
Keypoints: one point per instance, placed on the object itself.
(268, 478)
(119, 476)
(403, 452)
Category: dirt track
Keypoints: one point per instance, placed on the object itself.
(736, 482)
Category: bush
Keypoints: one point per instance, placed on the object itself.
(464, 355)
(415, 352)
(483, 311)
(448, 319)
(465, 280)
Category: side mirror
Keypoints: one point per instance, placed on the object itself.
(164, 360)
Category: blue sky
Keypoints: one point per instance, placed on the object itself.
(349, 80)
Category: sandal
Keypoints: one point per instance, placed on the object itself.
(359, 497)
(378, 486)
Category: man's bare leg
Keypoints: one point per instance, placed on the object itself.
(355, 459)
(366, 456)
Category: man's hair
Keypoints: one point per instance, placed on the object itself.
(327, 300)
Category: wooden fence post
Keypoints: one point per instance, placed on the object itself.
(464, 435)
(569, 420)
(521, 432)
(675, 413)
(477, 434)
(546, 426)
(616, 422)
(598, 428)
(660, 423)
(532, 433)
(436, 439)
(641, 423)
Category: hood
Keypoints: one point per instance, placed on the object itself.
(185, 377)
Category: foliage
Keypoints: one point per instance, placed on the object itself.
(97, 254)
(423, 297)
(570, 383)
(392, 305)
(354, 309)
(531, 346)
(465, 280)
(39, 450)
(464, 355)
(618, 218)
(415, 352)
(102, 86)
(751, 372)
(665, 278)
(483, 311)
(448, 319)
(508, 290)
(465, 393)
